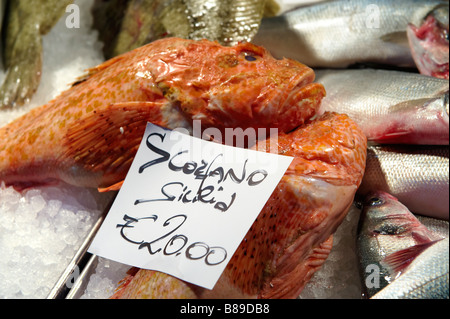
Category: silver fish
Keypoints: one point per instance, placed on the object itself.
(417, 175)
(429, 43)
(340, 33)
(388, 233)
(390, 106)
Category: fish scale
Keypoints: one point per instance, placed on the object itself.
(417, 175)
(399, 256)
(392, 107)
(341, 33)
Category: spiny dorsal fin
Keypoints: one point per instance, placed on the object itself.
(90, 72)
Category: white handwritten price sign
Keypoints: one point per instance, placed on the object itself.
(186, 204)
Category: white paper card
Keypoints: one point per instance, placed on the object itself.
(186, 204)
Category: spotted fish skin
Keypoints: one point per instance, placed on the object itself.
(292, 236)
(89, 134)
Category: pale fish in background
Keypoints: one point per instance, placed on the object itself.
(418, 175)
(25, 22)
(127, 24)
(278, 7)
(429, 43)
(391, 107)
(342, 33)
(389, 238)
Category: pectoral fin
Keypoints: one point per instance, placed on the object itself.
(400, 260)
(114, 187)
(104, 142)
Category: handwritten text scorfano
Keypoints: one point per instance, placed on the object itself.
(212, 178)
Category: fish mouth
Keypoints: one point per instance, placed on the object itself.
(301, 98)
(429, 43)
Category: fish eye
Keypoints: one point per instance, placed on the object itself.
(250, 56)
(389, 229)
(375, 201)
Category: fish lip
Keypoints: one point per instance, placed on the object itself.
(427, 43)
(298, 82)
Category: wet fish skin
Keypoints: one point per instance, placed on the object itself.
(89, 134)
(26, 21)
(292, 236)
(340, 33)
(438, 226)
(392, 107)
(417, 175)
(386, 226)
(138, 22)
(426, 278)
(430, 44)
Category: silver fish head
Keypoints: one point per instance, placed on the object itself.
(388, 222)
(430, 43)
(385, 226)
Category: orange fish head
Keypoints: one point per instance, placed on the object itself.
(240, 86)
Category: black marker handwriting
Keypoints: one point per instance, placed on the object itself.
(173, 247)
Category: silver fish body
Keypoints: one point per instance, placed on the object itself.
(426, 278)
(438, 226)
(418, 175)
(340, 33)
(387, 227)
(391, 107)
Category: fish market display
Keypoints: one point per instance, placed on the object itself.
(292, 236)
(391, 240)
(429, 43)
(390, 106)
(125, 25)
(24, 24)
(417, 175)
(88, 135)
(341, 33)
